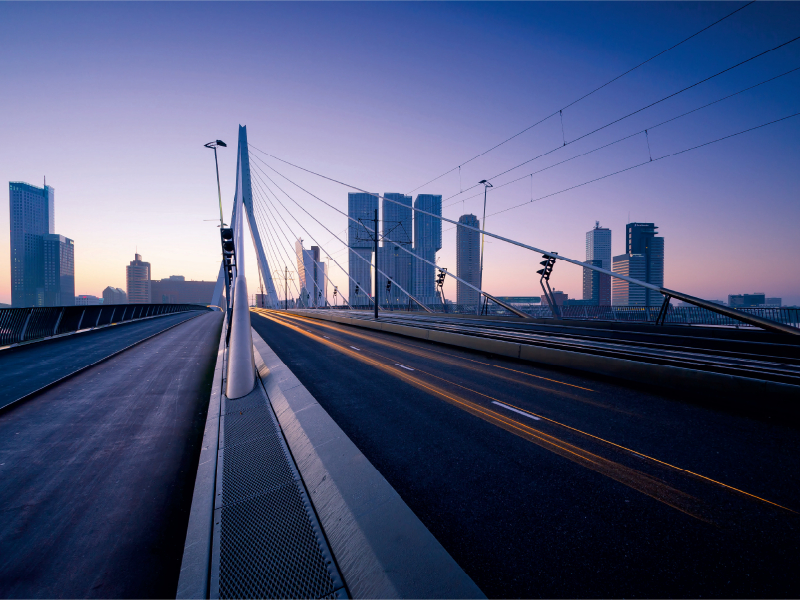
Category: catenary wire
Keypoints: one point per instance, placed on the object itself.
(583, 97)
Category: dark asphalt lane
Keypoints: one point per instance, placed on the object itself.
(27, 368)
(98, 472)
(545, 483)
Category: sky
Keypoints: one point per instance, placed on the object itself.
(112, 102)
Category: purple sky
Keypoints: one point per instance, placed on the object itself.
(113, 101)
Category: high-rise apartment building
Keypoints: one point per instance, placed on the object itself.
(137, 276)
(360, 206)
(643, 260)
(427, 242)
(58, 257)
(312, 275)
(396, 230)
(468, 261)
(32, 216)
(176, 290)
(597, 286)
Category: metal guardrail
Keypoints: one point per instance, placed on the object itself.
(26, 324)
(683, 315)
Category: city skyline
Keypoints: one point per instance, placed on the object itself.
(735, 196)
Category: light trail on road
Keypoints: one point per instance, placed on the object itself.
(628, 476)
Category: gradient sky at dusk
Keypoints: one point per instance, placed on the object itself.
(114, 101)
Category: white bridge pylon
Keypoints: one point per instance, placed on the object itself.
(244, 195)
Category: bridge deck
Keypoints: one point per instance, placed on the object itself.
(548, 483)
(28, 368)
(98, 471)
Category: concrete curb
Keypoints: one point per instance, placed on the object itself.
(382, 549)
(44, 388)
(677, 378)
(196, 563)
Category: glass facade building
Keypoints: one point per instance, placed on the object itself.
(312, 274)
(137, 276)
(644, 255)
(32, 216)
(396, 226)
(427, 242)
(58, 257)
(468, 261)
(597, 286)
(360, 206)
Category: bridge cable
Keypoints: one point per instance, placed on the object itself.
(329, 231)
(584, 96)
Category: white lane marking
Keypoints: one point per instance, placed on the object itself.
(354, 348)
(404, 367)
(521, 412)
(326, 337)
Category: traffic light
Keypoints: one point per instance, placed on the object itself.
(548, 263)
(228, 250)
(388, 285)
(357, 290)
(441, 277)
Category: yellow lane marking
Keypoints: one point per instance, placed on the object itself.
(465, 402)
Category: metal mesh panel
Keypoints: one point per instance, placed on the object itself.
(11, 323)
(42, 323)
(249, 402)
(69, 322)
(253, 468)
(268, 549)
(246, 426)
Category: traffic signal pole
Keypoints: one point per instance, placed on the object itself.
(376, 264)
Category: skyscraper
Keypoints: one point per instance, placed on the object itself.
(427, 241)
(468, 261)
(394, 262)
(311, 271)
(644, 260)
(32, 216)
(58, 253)
(137, 275)
(359, 239)
(597, 286)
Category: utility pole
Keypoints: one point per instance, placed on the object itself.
(376, 265)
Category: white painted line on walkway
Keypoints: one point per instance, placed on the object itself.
(404, 367)
(354, 348)
(521, 412)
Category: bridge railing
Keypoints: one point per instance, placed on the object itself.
(27, 324)
(676, 315)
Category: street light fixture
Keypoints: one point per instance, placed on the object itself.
(486, 186)
(213, 146)
(226, 236)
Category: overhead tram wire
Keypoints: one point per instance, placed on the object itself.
(647, 162)
(274, 195)
(329, 231)
(637, 111)
(275, 226)
(499, 237)
(403, 248)
(640, 132)
(597, 89)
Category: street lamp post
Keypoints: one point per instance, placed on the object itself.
(229, 241)
(213, 146)
(486, 186)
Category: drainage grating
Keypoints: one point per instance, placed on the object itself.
(254, 399)
(243, 426)
(269, 549)
(253, 468)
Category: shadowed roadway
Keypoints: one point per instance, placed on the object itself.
(98, 472)
(547, 483)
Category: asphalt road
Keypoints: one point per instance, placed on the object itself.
(547, 483)
(98, 472)
(27, 368)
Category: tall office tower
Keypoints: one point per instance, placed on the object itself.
(137, 275)
(32, 216)
(597, 286)
(468, 261)
(312, 275)
(644, 260)
(393, 261)
(359, 239)
(58, 254)
(112, 295)
(427, 241)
